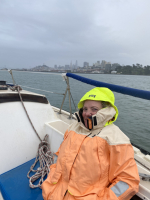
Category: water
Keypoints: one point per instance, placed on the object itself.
(134, 113)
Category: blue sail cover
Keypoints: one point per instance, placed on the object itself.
(116, 88)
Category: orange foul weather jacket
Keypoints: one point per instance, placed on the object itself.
(95, 164)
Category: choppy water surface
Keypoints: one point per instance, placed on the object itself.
(134, 113)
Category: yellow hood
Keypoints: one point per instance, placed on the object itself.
(100, 94)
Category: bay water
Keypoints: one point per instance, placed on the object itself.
(134, 113)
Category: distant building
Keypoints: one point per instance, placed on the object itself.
(85, 64)
(67, 67)
(107, 68)
(97, 64)
(55, 66)
(76, 65)
(113, 72)
(114, 65)
(103, 63)
(95, 72)
(71, 65)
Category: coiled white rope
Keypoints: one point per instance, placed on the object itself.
(45, 158)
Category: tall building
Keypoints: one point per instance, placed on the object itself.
(76, 65)
(97, 64)
(107, 68)
(85, 64)
(71, 65)
(103, 63)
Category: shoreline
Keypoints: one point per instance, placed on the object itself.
(73, 72)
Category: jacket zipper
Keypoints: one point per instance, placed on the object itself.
(65, 192)
(77, 153)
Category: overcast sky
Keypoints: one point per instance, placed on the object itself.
(37, 32)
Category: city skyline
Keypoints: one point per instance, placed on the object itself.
(74, 65)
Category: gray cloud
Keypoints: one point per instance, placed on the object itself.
(58, 32)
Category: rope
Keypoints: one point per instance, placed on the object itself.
(73, 102)
(18, 89)
(42, 90)
(45, 158)
(44, 155)
(15, 87)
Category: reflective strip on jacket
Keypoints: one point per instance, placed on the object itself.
(93, 165)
